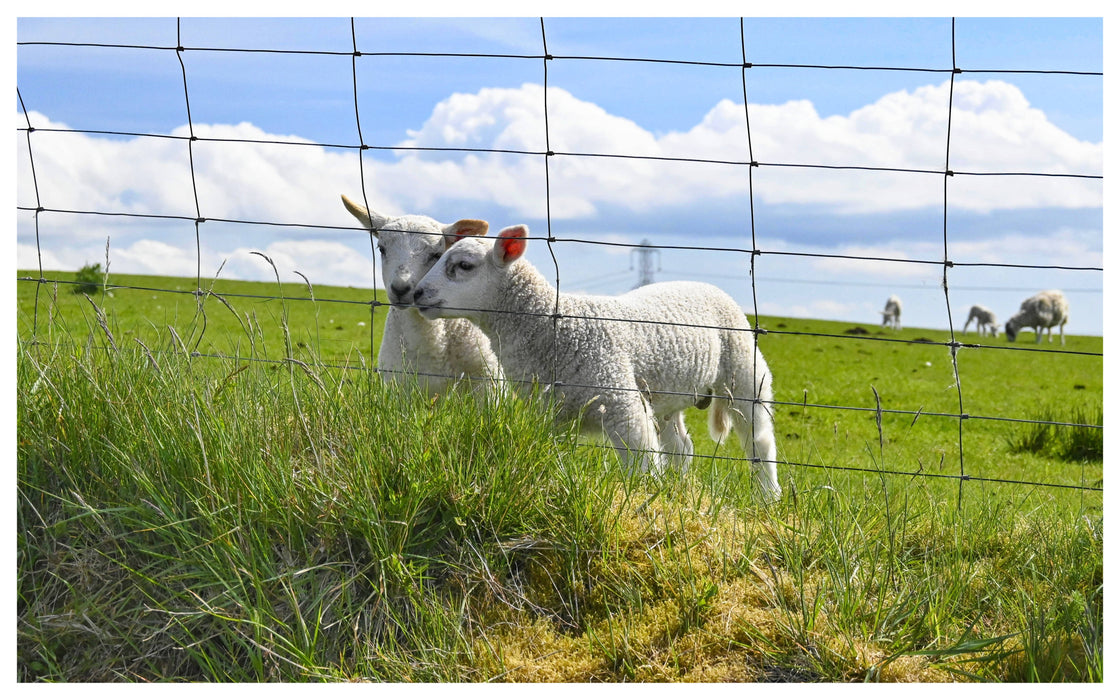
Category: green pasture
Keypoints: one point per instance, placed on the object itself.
(815, 363)
(243, 319)
(185, 513)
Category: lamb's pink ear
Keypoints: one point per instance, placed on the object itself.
(463, 228)
(511, 244)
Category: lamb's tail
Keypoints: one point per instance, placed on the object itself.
(719, 420)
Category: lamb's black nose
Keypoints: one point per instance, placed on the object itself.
(400, 291)
(417, 294)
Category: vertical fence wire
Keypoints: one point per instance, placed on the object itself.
(374, 303)
(198, 220)
(756, 326)
(548, 154)
(953, 345)
(37, 211)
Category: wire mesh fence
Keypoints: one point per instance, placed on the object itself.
(542, 63)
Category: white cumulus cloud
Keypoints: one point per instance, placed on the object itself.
(995, 129)
(234, 177)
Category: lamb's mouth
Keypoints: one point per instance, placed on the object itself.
(428, 310)
(401, 301)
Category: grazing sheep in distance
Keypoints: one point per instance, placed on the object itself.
(986, 322)
(627, 366)
(433, 353)
(1043, 310)
(892, 313)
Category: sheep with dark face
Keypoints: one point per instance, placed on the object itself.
(986, 323)
(1042, 311)
(436, 354)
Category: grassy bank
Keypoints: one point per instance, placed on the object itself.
(188, 518)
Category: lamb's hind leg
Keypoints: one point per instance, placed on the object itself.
(753, 423)
(675, 440)
(757, 438)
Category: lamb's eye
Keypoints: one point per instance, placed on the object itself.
(465, 265)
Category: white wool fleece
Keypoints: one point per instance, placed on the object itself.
(892, 313)
(436, 354)
(1041, 312)
(627, 365)
(986, 323)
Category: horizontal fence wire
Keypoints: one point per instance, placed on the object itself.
(547, 154)
(757, 330)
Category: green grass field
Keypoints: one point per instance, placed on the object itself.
(187, 514)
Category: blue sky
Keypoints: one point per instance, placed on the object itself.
(1002, 122)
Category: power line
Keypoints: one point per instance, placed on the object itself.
(884, 285)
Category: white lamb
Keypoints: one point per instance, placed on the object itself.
(986, 323)
(622, 365)
(892, 313)
(433, 353)
(1042, 311)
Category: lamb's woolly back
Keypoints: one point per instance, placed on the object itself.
(665, 316)
(626, 365)
(1041, 312)
(433, 353)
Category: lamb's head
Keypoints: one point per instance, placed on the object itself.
(467, 277)
(410, 245)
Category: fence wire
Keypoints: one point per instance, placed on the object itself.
(547, 155)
